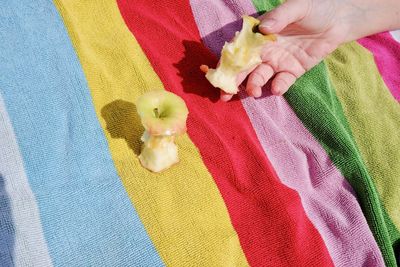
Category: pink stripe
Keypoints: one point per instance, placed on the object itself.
(386, 52)
(300, 161)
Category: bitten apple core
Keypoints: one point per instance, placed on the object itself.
(241, 54)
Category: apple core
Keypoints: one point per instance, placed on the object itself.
(241, 54)
(163, 116)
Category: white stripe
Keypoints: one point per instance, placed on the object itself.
(396, 35)
(22, 241)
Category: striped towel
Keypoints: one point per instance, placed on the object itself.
(308, 179)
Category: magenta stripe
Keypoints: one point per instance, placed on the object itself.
(386, 51)
(299, 160)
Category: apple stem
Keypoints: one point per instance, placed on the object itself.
(155, 110)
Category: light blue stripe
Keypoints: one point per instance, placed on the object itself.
(86, 214)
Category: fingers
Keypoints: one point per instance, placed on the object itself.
(258, 78)
(239, 79)
(282, 82)
(224, 96)
(261, 75)
(285, 14)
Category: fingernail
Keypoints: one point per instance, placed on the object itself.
(226, 98)
(257, 93)
(268, 23)
(276, 91)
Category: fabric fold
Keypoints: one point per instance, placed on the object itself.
(86, 215)
(22, 240)
(268, 216)
(300, 161)
(181, 208)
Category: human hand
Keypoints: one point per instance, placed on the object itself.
(307, 31)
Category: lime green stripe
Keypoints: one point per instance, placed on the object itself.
(373, 115)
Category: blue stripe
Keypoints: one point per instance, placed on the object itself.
(86, 214)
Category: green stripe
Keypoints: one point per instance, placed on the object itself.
(393, 232)
(262, 6)
(315, 102)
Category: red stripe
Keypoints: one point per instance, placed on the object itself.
(268, 217)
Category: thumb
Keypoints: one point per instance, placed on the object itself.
(285, 14)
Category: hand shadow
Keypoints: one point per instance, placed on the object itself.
(193, 80)
(123, 121)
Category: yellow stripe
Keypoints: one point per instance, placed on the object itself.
(181, 209)
(373, 115)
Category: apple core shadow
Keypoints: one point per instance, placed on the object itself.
(123, 122)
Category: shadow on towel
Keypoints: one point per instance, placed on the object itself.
(123, 122)
(193, 80)
(7, 231)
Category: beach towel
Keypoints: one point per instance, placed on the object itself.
(311, 178)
